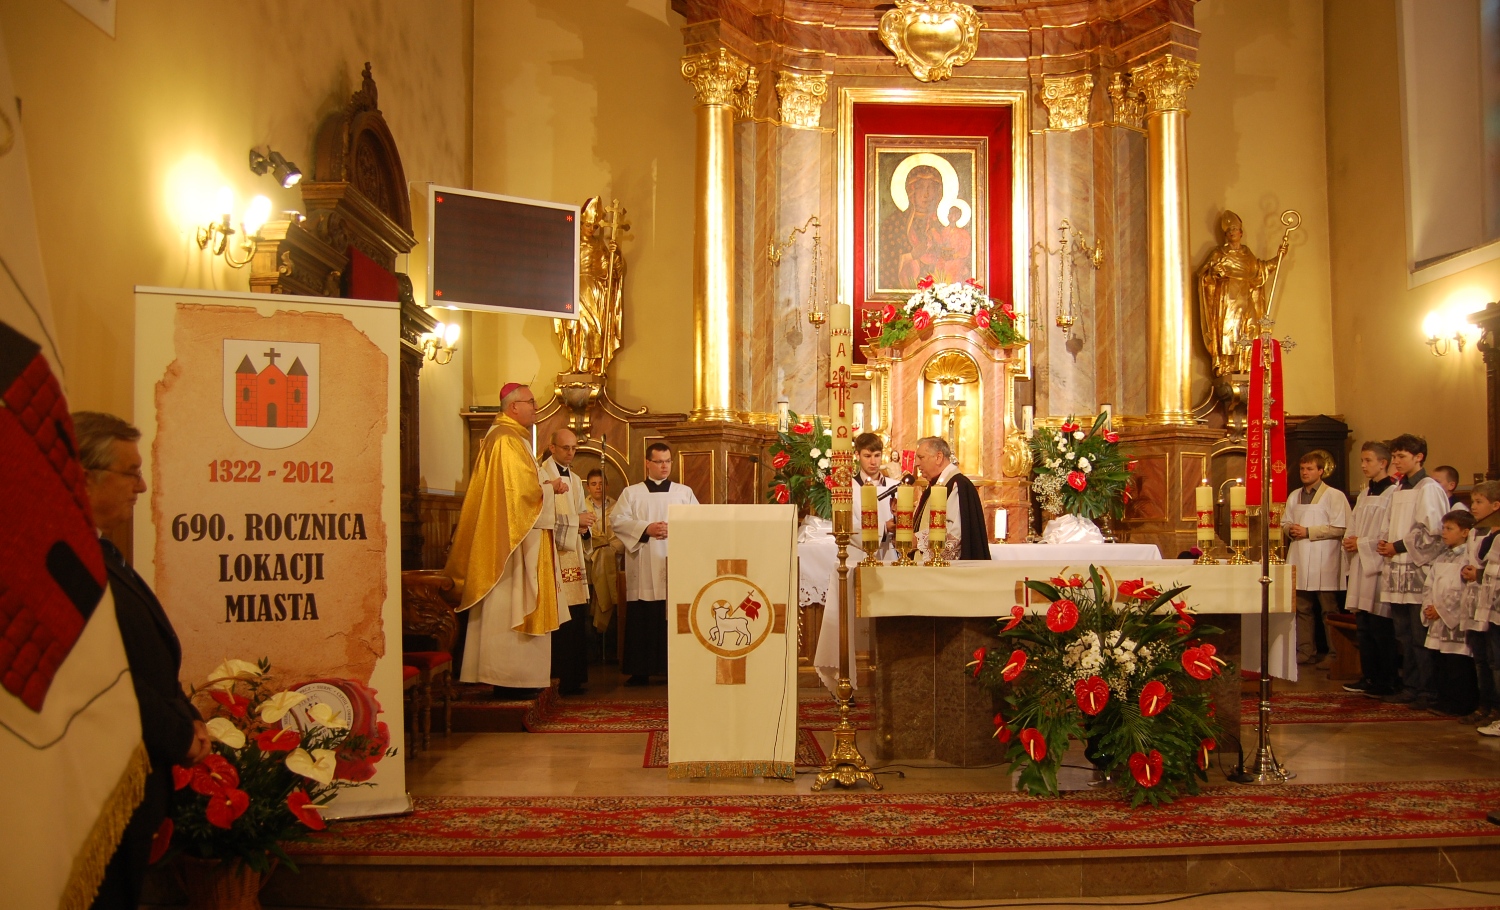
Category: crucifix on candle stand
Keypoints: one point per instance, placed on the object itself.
(950, 404)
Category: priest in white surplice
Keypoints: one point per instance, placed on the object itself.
(640, 521)
(570, 650)
(503, 560)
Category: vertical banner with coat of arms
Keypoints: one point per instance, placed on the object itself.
(270, 439)
(732, 641)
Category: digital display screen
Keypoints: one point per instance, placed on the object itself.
(504, 254)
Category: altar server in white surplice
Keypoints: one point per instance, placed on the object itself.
(503, 562)
(1378, 655)
(570, 657)
(870, 454)
(640, 521)
(1413, 538)
(1314, 520)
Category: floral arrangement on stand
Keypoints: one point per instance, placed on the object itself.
(933, 301)
(1080, 472)
(802, 458)
(1117, 667)
(275, 761)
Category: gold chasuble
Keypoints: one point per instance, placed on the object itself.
(502, 506)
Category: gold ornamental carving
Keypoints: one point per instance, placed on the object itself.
(1015, 458)
(1164, 82)
(1067, 100)
(802, 96)
(1128, 103)
(590, 342)
(721, 78)
(931, 37)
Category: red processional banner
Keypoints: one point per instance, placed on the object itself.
(1254, 437)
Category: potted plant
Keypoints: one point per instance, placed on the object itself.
(277, 757)
(933, 301)
(1079, 476)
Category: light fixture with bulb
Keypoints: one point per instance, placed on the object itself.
(438, 345)
(215, 236)
(266, 159)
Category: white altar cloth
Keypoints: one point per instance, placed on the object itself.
(817, 561)
(1075, 555)
(981, 590)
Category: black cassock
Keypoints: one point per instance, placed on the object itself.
(974, 537)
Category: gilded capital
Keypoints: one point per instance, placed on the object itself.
(717, 77)
(1128, 104)
(802, 96)
(1067, 100)
(1164, 82)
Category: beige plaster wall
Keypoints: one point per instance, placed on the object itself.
(129, 135)
(578, 99)
(1386, 380)
(1256, 146)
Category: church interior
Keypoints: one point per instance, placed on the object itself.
(744, 172)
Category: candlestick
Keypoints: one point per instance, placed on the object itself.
(1204, 503)
(1108, 410)
(869, 518)
(1277, 510)
(906, 498)
(1002, 524)
(783, 415)
(937, 523)
(1239, 527)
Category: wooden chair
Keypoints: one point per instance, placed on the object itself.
(429, 628)
(411, 678)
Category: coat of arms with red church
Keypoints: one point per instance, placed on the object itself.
(270, 390)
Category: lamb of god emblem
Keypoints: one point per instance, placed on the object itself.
(731, 616)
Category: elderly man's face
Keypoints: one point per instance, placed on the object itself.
(112, 491)
(930, 461)
(522, 408)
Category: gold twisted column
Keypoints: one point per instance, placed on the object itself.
(721, 82)
(1164, 84)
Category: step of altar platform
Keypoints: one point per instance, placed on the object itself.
(477, 712)
(456, 882)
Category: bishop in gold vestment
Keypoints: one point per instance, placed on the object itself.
(503, 560)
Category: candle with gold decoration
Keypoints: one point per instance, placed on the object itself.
(906, 500)
(1205, 505)
(937, 516)
(840, 408)
(869, 517)
(1239, 523)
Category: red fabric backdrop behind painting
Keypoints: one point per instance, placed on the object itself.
(992, 122)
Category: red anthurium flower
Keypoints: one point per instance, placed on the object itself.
(982, 319)
(1076, 581)
(1111, 436)
(1002, 732)
(1017, 613)
(1092, 695)
(1078, 480)
(1057, 581)
(213, 775)
(1130, 465)
(1208, 650)
(973, 283)
(1069, 427)
(234, 704)
(978, 662)
(1197, 664)
(278, 740)
(921, 320)
(1034, 743)
(181, 777)
(226, 806)
(1154, 698)
(1062, 615)
(160, 841)
(1138, 589)
(1204, 748)
(301, 805)
(1146, 769)
(1008, 309)
(783, 495)
(1014, 666)
(888, 312)
(1184, 624)
(781, 460)
(1125, 496)
(803, 428)
(925, 283)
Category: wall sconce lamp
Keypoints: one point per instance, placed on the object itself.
(1443, 332)
(438, 345)
(215, 236)
(285, 173)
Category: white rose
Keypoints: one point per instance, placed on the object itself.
(1079, 435)
(823, 463)
(1083, 463)
(814, 453)
(1088, 469)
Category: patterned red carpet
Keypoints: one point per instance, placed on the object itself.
(569, 715)
(808, 753)
(860, 823)
(1330, 708)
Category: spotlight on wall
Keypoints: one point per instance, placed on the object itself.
(215, 236)
(438, 345)
(265, 159)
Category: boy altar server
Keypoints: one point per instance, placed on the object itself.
(570, 650)
(1314, 521)
(640, 520)
(1442, 614)
(1413, 538)
(1378, 654)
(1480, 576)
